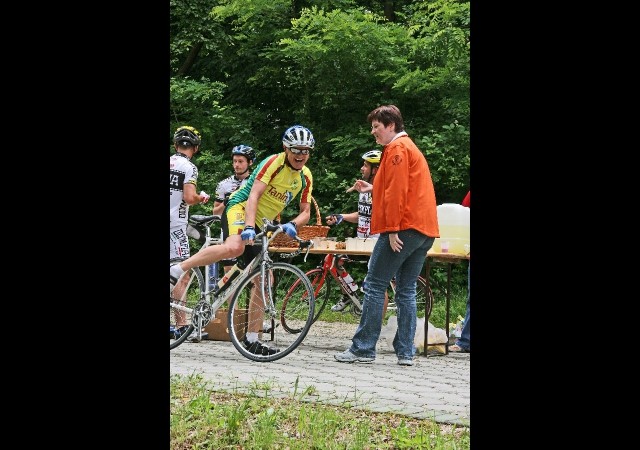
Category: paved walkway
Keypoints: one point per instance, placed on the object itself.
(436, 387)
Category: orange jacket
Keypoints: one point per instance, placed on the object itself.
(403, 194)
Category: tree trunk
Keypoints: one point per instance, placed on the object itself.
(191, 57)
(389, 10)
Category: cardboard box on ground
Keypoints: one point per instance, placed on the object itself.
(218, 328)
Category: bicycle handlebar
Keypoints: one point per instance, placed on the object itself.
(270, 227)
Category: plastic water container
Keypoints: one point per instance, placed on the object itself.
(454, 221)
(361, 244)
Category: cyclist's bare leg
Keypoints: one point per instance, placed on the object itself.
(231, 248)
(256, 308)
(179, 293)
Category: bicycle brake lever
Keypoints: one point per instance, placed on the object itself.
(307, 253)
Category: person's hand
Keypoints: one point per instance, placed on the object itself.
(395, 242)
(248, 234)
(361, 186)
(334, 219)
(204, 197)
(290, 229)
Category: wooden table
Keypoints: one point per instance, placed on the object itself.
(445, 258)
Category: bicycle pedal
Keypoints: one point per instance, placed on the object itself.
(266, 327)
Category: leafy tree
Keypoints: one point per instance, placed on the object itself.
(242, 72)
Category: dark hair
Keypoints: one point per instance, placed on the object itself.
(387, 114)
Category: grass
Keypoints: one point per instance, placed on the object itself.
(202, 418)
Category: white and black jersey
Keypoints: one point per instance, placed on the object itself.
(227, 186)
(181, 171)
(364, 216)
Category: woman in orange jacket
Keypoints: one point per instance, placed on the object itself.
(404, 213)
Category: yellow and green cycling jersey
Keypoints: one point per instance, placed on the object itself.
(283, 185)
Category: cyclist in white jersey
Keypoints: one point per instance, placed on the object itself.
(183, 177)
(363, 215)
(243, 158)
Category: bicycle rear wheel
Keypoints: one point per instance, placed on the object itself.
(321, 291)
(287, 282)
(424, 297)
(183, 300)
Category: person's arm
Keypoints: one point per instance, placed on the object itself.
(304, 216)
(361, 186)
(190, 196)
(251, 208)
(349, 217)
(218, 208)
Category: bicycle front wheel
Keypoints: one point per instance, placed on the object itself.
(183, 299)
(286, 282)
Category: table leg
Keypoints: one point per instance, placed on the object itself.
(426, 319)
(448, 307)
(446, 324)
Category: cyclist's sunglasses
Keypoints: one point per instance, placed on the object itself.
(297, 151)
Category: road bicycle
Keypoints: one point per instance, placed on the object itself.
(332, 270)
(263, 282)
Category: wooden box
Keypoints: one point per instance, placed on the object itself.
(218, 328)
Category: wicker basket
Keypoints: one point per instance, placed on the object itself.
(306, 232)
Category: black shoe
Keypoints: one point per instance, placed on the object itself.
(258, 348)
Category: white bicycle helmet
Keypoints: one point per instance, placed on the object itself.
(372, 156)
(298, 136)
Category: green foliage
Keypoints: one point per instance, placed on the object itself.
(243, 72)
(447, 152)
(194, 36)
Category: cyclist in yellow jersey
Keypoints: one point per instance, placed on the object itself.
(276, 181)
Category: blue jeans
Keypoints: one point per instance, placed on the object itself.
(464, 340)
(406, 265)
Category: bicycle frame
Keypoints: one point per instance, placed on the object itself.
(212, 299)
(330, 266)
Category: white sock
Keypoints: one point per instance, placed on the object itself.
(176, 271)
(252, 336)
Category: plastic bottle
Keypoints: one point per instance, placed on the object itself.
(454, 221)
(229, 276)
(345, 276)
(349, 280)
(212, 270)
